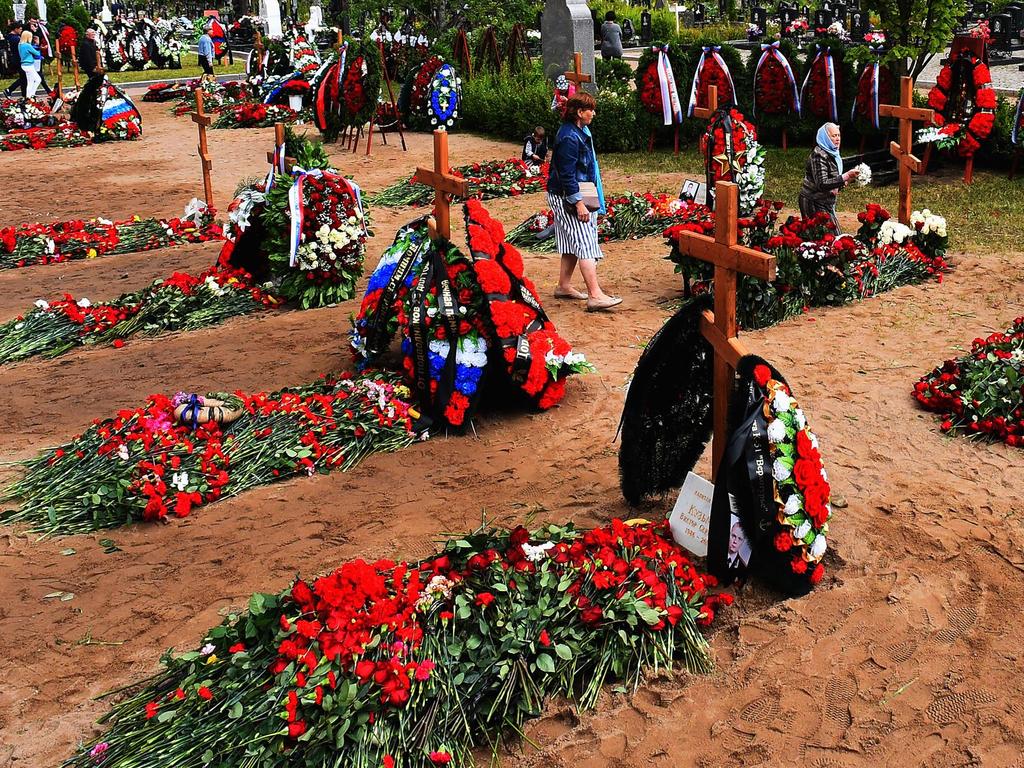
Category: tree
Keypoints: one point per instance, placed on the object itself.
(918, 29)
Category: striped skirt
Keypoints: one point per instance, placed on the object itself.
(572, 236)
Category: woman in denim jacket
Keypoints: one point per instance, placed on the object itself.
(573, 161)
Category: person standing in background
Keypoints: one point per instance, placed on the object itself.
(29, 56)
(206, 55)
(611, 37)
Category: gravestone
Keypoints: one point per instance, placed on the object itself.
(627, 31)
(645, 26)
(270, 10)
(723, 8)
(759, 16)
(1016, 13)
(19, 12)
(41, 5)
(822, 18)
(316, 20)
(805, 11)
(858, 24)
(699, 18)
(999, 29)
(567, 28)
(786, 17)
(105, 15)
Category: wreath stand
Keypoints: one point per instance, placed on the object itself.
(460, 50)
(394, 108)
(699, 112)
(517, 57)
(487, 54)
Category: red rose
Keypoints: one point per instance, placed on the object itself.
(817, 573)
(205, 693)
(484, 599)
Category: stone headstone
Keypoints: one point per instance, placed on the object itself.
(822, 18)
(316, 21)
(567, 27)
(19, 12)
(699, 18)
(858, 24)
(105, 15)
(645, 26)
(41, 6)
(760, 18)
(270, 10)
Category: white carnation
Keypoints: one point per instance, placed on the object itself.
(776, 431)
(781, 402)
(793, 504)
(798, 416)
(802, 530)
(780, 471)
(818, 546)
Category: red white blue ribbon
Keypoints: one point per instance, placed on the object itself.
(830, 78)
(713, 51)
(771, 50)
(671, 107)
(296, 209)
(277, 165)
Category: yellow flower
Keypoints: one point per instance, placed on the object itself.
(211, 659)
(91, 253)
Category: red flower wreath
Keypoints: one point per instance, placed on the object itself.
(864, 104)
(817, 101)
(650, 89)
(742, 133)
(355, 96)
(969, 130)
(713, 74)
(773, 93)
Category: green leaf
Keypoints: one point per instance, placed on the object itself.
(236, 710)
(257, 604)
(563, 651)
(545, 663)
(648, 614)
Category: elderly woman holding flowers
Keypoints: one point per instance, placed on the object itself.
(824, 176)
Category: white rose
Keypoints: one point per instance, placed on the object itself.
(781, 402)
(780, 471)
(42, 304)
(793, 505)
(818, 546)
(84, 303)
(802, 530)
(776, 431)
(798, 416)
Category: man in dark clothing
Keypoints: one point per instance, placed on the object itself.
(89, 61)
(535, 148)
(12, 40)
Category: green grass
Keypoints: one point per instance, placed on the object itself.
(190, 71)
(986, 216)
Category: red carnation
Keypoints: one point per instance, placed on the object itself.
(762, 373)
(205, 693)
(484, 599)
(784, 541)
(817, 573)
(799, 566)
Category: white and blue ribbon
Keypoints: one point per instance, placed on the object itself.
(671, 107)
(277, 165)
(713, 51)
(876, 72)
(830, 73)
(771, 50)
(280, 85)
(1016, 117)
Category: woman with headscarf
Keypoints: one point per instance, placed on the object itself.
(573, 168)
(824, 176)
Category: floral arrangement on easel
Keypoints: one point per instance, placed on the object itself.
(732, 153)
(964, 103)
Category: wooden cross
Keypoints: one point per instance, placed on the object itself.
(258, 45)
(278, 143)
(203, 121)
(719, 327)
(444, 184)
(706, 113)
(575, 75)
(907, 114)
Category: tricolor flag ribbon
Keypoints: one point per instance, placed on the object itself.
(713, 51)
(830, 76)
(771, 50)
(671, 108)
(277, 165)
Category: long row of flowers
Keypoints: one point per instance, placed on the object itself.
(493, 179)
(177, 453)
(26, 245)
(817, 268)
(409, 665)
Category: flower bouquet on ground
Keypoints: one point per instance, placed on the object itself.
(487, 181)
(415, 664)
(817, 268)
(254, 115)
(181, 302)
(63, 135)
(175, 454)
(629, 217)
(27, 245)
(217, 96)
(462, 321)
(159, 92)
(19, 114)
(982, 393)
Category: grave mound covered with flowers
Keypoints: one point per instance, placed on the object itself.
(463, 321)
(413, 664)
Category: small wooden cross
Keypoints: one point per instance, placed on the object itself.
(278, 143)
(907, 114)
(203, 121)
(719, 327)
(576, 75)
(706, 113)
(444, 184)
(258, 45)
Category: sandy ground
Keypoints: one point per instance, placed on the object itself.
(907, 655)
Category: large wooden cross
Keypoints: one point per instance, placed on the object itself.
(575, 75)
(706, 113)
(719, 327)
(902, 151)
(444, 184)
(203, 121)
(278, 143)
